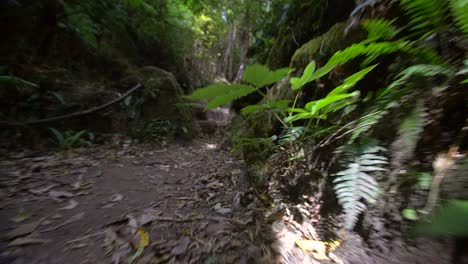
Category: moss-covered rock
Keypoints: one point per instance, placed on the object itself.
(162, 101)
(304, 21)
(323, 47)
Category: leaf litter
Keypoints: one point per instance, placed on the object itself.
(183, 215)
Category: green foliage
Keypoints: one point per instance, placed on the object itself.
(335, 100)
(307, 77)
(355, 185)
(71, 139)
(459, 10)
(423, 70)
(221, 94)
(426, 16)
(410, 214)
(257, 75)
(380, 29)
(450, 219)
(280, 105)
(260, 76)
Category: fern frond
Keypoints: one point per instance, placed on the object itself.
(367, 121)
(371, 51)
(425, 70)
(426, 16)
(355, 186)
(459, 9)
(409, 134)
(380, 29)
(292, 134)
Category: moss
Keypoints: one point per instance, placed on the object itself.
(323, 47)
(162, 102)
(305, 20)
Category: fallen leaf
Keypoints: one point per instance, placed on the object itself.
(25, 241)
(217, 206)
(77, 246)
(193, 216)
(236, 243)
(116, 197)
(71, 220)
(317, 248)
(74, 218)
(22, 230)
(72, 204)
(143, 238)
(22, 216)
(223, 211)
(42, 190)
(214, 185)
(181, 247)
(60, 194)
(132, 223)
(121, 251)
(56, 216)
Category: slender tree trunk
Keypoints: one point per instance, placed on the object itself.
(227, 61)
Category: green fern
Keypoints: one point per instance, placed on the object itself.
(409, 134)
(424, 70)
(459, 9)
(426, 16)
(390, 96)
(380, 29)
(355, 187)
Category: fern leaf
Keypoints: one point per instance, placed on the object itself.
(459, 9)
(426, 16)
(409, 134)
(380, 29)
(355, 185)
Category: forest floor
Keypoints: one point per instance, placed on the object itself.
(176, 203)
(119, 203)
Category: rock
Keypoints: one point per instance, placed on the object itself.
(302, 23)
(323, 47)
(162, 94)
(162, 105)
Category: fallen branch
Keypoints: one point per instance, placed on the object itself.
(81, 113)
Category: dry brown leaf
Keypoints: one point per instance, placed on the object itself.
(22, 230)
(181, 247)
(42, 190)
(71, 205)
(60, 194)
(25, 241)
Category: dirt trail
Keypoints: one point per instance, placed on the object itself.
(120, 203)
